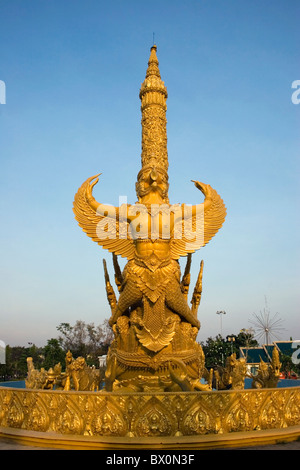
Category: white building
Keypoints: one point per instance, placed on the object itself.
(102, 361)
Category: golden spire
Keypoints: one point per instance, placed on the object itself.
(153, 95)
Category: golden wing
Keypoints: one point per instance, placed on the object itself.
(199, 224)
(102, 229)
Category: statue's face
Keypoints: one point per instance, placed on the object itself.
(152, 180)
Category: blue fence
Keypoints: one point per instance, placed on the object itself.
(15, 384)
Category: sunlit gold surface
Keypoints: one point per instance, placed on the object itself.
(77, 376)
(268, 374)
(149, 414)
(232, 376)
(155, 329)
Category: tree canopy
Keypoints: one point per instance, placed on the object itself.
(82, 339)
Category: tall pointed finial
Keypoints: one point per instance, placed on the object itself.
(153, 95)
(153, 65)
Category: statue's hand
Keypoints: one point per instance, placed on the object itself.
(89, 187)
(204, 188)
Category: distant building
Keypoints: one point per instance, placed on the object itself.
(102, 361)
(253, 356)
(2, 352)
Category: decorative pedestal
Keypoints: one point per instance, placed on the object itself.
(180, 420)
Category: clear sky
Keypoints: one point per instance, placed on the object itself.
(73, 70)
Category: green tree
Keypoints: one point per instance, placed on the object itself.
(16, 361)
(86, 340)
(216, 351)
(246, 339)
(53, 354)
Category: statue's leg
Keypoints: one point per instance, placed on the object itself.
(129, 296)
(175, 300)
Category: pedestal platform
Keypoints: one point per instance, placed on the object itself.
(180, 420)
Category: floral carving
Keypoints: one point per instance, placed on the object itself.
(149, 414)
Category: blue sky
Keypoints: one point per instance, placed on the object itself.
(73, 71)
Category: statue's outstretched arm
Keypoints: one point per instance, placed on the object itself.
(207, 191)
(118, 273)
(108, 210)
(196, 299)
(111, 297)
(186, 278)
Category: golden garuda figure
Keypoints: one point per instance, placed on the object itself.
(155, 329)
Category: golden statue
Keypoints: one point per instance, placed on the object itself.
(154, 327)
(268, 374)
(232, 376)
(79, 376)
(41, 379)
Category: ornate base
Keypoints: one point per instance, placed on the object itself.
(144, 420)
(208, 441)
